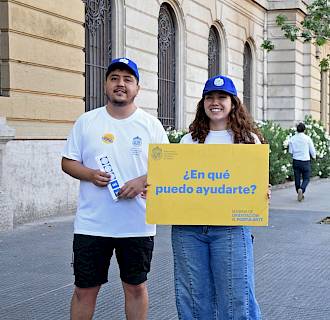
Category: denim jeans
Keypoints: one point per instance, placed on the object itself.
(301, 169)
(214, 273)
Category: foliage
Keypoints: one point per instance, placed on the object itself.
(267, 45)
(325, 63)
(280, 168)
(174, 136)
(314, 28)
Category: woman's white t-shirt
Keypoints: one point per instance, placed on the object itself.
(217, 137)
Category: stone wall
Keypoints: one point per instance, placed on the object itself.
(42, 67)
(35, 185)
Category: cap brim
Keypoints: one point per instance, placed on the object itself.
(120, 65)
(219, 90)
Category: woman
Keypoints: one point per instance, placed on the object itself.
(213, 265)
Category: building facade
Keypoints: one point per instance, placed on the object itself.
(52, 60)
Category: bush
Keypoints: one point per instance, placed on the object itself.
(280, 168)
(280, 161)
(174, 136)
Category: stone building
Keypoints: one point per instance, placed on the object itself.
(52, 60)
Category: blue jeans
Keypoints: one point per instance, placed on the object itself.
(301, 169)
(214, 273)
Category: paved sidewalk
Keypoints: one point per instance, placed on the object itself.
(291, 257)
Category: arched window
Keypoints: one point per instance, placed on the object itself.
(247, 76)
(97, 50)
(214, 52)
(166, 67)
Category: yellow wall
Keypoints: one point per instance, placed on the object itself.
(43, 71)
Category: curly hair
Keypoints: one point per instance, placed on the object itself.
(239, 122)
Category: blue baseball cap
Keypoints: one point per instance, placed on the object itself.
(123, 63)
(220, 83)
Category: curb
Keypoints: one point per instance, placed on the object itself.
(289, 184)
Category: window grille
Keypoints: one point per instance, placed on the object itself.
(97, 50)
(166, 67)
(213, 53)
(0, 66)
(247, 76)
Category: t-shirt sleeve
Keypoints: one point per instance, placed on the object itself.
(73, 146)
(160, 135)
(256, 139)
(186, 138)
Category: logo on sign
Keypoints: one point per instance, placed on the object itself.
(156, 153)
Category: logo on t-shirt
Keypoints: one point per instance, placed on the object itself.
(137, 142)
(136, 148)
(108, 138)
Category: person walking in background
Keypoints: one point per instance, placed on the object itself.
(102, 225)
(213, 265)
(302, 149)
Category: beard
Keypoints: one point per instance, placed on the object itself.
(119, 102)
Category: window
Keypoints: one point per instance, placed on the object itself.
(247, 76)
(324, 103)
(98, 50)
(4, 61)
(213, 52)
(166, 67)
(1, 47)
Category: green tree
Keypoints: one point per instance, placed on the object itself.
(314, 28)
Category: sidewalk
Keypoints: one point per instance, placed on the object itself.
(291, 258)
(292, 255)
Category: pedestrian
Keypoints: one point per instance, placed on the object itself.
(213, 265)
(302, 149)
(102, 224)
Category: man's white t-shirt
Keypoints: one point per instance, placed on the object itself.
(217, 137)
(126, 142)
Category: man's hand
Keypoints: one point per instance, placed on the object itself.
(100, 178)
(133, 187)
(79, 171)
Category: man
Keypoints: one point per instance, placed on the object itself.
(122, 131)
(302, 148)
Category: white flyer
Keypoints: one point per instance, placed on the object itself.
(105, 165)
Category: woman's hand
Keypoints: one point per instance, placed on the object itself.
(269, 192)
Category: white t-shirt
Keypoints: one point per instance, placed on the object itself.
(301, 147)
(217, 137)
(126, 141)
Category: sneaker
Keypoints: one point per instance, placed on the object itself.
(300, 195)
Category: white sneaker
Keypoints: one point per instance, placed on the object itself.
(300, 195)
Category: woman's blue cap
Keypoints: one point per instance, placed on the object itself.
(220, 83)
(123, 63)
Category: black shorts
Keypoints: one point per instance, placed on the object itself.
(92, 255)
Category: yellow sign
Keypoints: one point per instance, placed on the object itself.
(208, 184)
